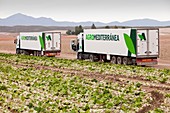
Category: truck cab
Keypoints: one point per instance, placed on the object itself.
(73, 45)
(16, 41)
(76, 44)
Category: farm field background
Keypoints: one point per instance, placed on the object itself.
(63, 84)
(43, 84)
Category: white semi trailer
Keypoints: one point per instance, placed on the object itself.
(119, 46)
(39, 43)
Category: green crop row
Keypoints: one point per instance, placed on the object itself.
(151, 74)
(31, 90)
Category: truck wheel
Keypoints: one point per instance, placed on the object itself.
(125, 60)
(26, 52)
(17, 51)
(113, 60)
(119, 60)
(39, 53)
(80, 56)
(34, 53)
(91, 58)
(22, 52)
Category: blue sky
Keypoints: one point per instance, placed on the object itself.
(88, 10)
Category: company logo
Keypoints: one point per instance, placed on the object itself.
(142, 37)
(41, 42)
(29, 38)
(48, 38)
(104, 37)
(129, 43)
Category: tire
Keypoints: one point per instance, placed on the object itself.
(91, 57)
(26, 52)
(125, 60)
(119, 60)
(39, 53)
(34, 53)
(113, 60)
(104, 58)
(80, 56)
(22, 52)
(17, 51)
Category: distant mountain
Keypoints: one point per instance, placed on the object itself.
(21, 19)
(144, 22)
(114, 23)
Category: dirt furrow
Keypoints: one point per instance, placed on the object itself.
(158, 98)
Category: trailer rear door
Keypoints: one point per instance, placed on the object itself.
(147, 43)
(153, 42)
(52, 41)
(142, 38)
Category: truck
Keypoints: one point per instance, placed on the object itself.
(38, 43)
(139, 46)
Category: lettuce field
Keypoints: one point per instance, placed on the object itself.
(53, 85)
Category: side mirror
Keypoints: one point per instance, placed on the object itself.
(73, 45)
(15, 41)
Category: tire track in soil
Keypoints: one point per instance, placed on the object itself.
(158, 98)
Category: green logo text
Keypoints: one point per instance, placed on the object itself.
(105, 37)
(28, 38)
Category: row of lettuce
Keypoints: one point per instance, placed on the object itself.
(26, 89)
(31, 90)
(151, 74)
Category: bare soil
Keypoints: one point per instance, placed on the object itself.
(158, 98)
(165, 45)
(66, 52)
(7, 42)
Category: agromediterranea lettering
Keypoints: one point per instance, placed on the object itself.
(29, 37)
(105, 37)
